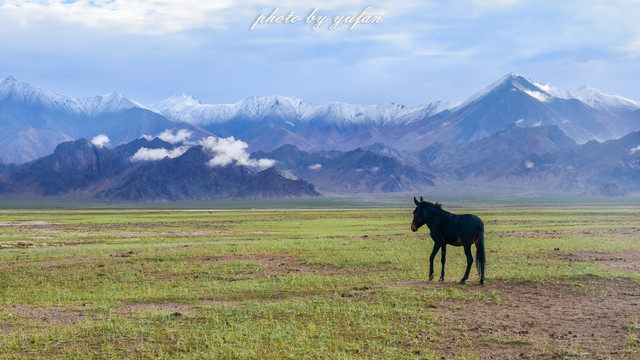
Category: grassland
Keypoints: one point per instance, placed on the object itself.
(308, 284)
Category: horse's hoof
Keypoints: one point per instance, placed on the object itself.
(481, 282)
(441, 279)
(463, 281)
(430, 277)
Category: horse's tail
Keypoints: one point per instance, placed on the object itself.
(481, 260)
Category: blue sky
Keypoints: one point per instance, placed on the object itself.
(421, 50)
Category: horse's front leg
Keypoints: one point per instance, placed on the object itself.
(467, 251)
(436, 247)
(443, 260)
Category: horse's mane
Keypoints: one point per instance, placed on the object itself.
(436, 205)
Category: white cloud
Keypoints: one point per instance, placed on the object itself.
(100, 140)
(225, 151)
(131, 16)
(145, 154)
(44, 41)
(261, 164)
(635, 150)
(161, 17)
(315, 167)
(229, 150)
(180, 136)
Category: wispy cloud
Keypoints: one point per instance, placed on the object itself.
(160, 16)
(422, 51)
(146, 154)
(133, 16)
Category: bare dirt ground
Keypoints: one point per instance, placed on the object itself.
(275, 265)
(584, 317)
(621, 261)
(555, 320)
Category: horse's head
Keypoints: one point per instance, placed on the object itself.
(419, 218)
(423, 211)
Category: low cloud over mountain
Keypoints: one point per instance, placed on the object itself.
(225, 151)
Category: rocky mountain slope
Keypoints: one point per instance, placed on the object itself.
(80, 168)
(540, 159)
(357, 171)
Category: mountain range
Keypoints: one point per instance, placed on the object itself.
(82, 169)
(363, 170)
(515, 133)
(270, 122)
(33, 120)
(538, 159)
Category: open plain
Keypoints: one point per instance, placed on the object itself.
(562, 282)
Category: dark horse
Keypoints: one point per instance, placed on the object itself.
(449, 229)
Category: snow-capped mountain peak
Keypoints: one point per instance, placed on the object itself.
(597, 99)
(23, 92)
(258, 107)
(513, 82)
(546, 93)
(179, 101)
(111, 102)
(292, 109)
(503, 81)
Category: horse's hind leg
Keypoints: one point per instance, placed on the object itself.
(443, 260)
(467, 251)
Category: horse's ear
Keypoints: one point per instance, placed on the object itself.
(421, 199)
(416, 200)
